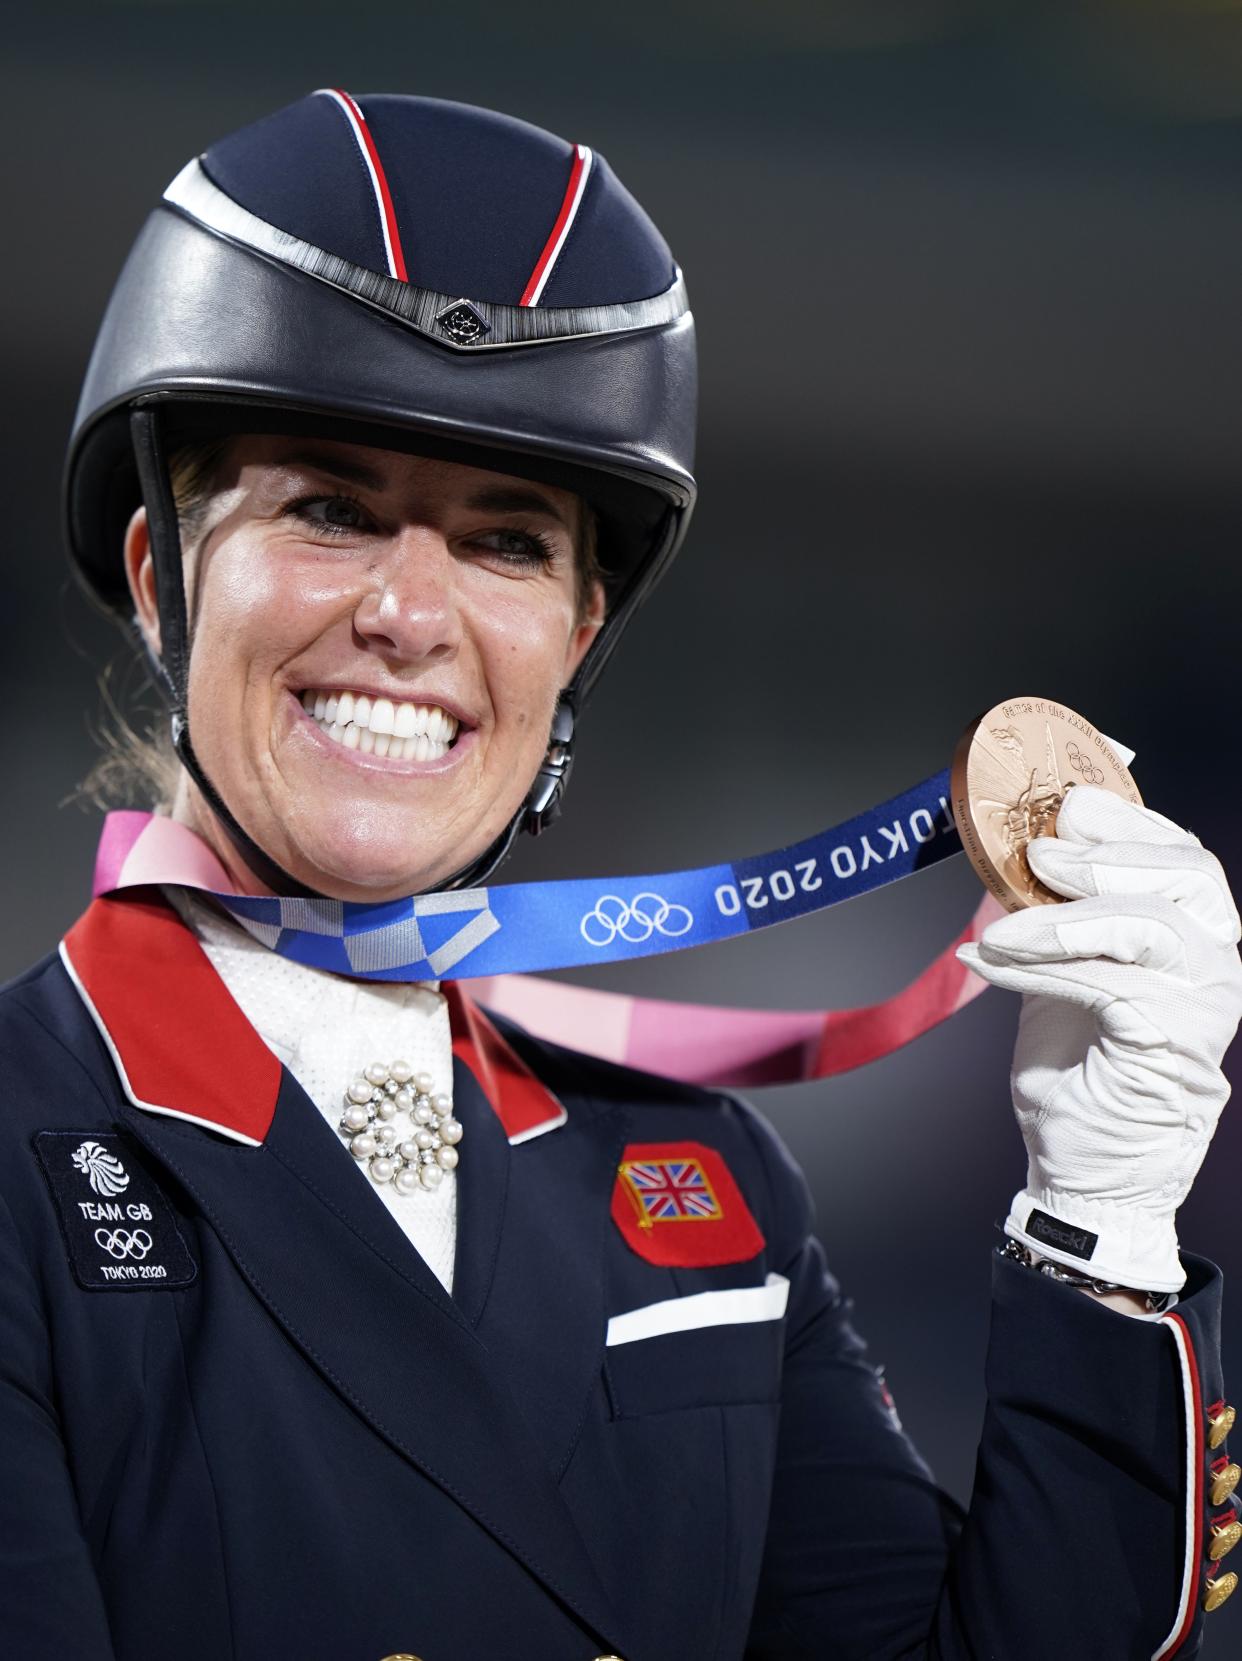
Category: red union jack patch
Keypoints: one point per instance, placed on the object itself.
(669, 1191)
(677, 1205)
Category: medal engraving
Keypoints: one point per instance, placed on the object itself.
(1011, 773)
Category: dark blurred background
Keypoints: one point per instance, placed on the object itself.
(968, 279)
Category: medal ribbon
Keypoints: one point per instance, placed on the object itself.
(497, 936)
(520, 928)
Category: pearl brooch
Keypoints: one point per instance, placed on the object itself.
(412, 1156)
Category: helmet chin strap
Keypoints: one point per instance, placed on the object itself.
(540, 809)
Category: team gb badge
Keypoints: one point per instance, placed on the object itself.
(104, 1170)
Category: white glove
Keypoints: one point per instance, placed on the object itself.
(1132, 993)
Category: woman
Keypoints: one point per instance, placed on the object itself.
(330, 1331)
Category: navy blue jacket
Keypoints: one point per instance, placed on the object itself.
(271, 1433)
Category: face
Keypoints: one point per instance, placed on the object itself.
(378, 645)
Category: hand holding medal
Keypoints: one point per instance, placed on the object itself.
(1010, 776)
(1132, 987)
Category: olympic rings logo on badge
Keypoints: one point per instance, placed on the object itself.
(635, 920)
(1082, 763)
(119, 1242)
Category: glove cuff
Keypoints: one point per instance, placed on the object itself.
(1118, 1243)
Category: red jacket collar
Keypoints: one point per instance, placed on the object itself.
(183, 1048)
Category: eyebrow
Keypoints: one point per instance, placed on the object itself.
(340, 467)
(491, 499)
(515, 499)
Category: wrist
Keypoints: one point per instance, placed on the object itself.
(1139, 1306)
(1126, 1300)
(1118, 1243)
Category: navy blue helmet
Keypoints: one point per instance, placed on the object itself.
(413, 274)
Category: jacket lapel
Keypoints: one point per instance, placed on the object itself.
(532, 1225)
(337, 1273)
(482, 1195)
(533, 1213)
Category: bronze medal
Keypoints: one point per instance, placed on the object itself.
(1010, 775)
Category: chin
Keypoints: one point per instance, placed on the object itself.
(353, 860)
(374, 874)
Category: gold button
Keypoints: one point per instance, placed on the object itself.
(1219, 1591)
(1224, 1482)
(402, 1657)
(1219, 1425)
(1225, 1537)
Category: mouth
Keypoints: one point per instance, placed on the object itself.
(381, 726)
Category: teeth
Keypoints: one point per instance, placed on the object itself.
(380, 726)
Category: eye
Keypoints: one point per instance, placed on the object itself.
(336, 515)
(530, 549)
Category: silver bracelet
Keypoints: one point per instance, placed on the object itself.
(1157, 1302)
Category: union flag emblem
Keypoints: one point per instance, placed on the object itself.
(669, 1191)
(662, 1186)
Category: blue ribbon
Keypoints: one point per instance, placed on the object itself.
(529, 926)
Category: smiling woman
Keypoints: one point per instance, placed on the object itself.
(343, 1320)
(431, 603)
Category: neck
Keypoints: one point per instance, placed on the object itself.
(189, 809)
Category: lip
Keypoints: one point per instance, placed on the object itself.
(380, 766)
(395, 695)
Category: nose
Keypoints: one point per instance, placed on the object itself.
(411, 611)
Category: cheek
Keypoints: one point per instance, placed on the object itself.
(257, 610)
(241, 585)
(523, 647)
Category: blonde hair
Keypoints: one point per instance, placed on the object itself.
(137, 761)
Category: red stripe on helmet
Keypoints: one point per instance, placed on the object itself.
(379, 180)
(574, 191)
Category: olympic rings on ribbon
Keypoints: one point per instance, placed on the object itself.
(632, 921)
(119, 1242)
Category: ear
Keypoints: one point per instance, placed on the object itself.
(140, 575)
(591, 622)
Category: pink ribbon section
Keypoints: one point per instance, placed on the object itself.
(736, 1048)
(136, 848)
(696, 1043)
